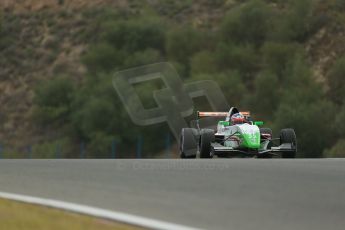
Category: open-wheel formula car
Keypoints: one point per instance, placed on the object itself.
(235, 135)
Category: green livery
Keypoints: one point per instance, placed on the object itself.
(251, 140)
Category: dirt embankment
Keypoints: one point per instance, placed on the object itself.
(37, 5)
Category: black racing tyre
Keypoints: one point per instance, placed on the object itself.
(206, 138)
(266, 131)
(188, 143)
(289, 136)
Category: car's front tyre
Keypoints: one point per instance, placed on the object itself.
(188, 143)
(206, 138)
(289, 136)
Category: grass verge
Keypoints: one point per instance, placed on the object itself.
(20, 216)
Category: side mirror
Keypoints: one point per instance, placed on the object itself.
(225, 123)
(259, 123)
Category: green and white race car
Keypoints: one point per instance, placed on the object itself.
(235, 136)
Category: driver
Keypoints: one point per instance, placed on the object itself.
(237, 118)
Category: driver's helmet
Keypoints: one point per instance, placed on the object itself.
(237, 118)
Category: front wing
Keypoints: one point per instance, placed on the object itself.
(221, 150)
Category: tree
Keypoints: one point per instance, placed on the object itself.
(100, 145)
(314, 135)
(338, 150)
(181, 44)
(297, 23)
(203, 62)
(231, 57)
(123, 44)
(53, 100)
(339, 124)
(248, 23)
(266, 97)
(336, 81)
(231, 83)
(134, 35)
(103, 57)
(278, 55)
(303, 107)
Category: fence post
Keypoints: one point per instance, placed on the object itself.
(29, 151)
(168, 145)
(1, 149)
(82, 150)
(113, 149)
(139, 146)
(57, 151)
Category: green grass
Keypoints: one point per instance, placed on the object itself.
(20, 216)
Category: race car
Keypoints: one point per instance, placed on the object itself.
(235, 135)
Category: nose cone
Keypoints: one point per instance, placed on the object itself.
(253, 141)
(251, 136)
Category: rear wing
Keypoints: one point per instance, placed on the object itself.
(212, 114)
(246, 114)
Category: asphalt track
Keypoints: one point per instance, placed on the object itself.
(210, 194)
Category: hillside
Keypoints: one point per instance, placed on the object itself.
(44, 39)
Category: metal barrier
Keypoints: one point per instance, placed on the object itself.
(114, 150)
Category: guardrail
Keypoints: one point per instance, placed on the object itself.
(114, 150)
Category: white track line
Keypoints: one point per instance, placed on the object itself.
(97, 212)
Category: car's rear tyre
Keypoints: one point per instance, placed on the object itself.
(206, 138)
(289, 136)
(188, 143)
